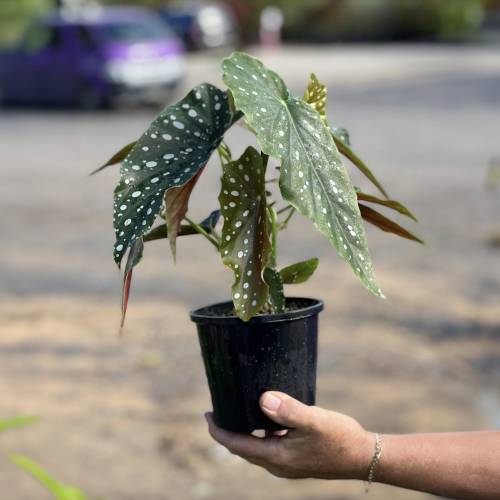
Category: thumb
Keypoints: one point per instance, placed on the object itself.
(286, 410)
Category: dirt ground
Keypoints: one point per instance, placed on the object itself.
(122, 417)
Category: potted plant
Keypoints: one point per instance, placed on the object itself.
(260, 339)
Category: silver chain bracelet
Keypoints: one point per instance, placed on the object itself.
(377, 454)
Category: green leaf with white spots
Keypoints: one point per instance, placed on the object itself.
(169, 154)
(312, 176)
(245, 246)
(299, 272)
(276, 297)
(315, 96)
(117, 157)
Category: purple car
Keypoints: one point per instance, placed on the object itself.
(90, 57)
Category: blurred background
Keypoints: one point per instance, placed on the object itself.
(417, 83)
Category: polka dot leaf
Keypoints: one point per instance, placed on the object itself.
(169, 154)
(315, 95)
(313, 178)
(245, 246)
(275, 283)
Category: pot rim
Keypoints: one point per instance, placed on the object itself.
(201, 316)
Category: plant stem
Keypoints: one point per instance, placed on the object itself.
(282, 210)
(284, 224)
(202, 231)
(274, 236)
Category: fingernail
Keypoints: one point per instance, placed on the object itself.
(270, 402)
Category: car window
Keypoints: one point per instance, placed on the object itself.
(130, 32)
(39, 37)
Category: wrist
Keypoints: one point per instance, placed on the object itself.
(364, 456)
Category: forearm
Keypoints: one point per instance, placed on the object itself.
(457, 465)
(329, 445)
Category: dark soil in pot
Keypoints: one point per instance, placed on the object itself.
(244, 359)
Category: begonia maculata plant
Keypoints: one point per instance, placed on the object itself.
(299, 150)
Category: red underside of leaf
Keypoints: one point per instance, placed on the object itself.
(176, 206)
(125, 295)
(385, 224)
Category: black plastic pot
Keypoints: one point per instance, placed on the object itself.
(244, 359)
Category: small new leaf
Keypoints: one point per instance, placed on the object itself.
(245, 246)
(116, 158)
(387, 225)
(315, 95)
(169, 154)
(313, 178)
(299, 272)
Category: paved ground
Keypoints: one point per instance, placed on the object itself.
(122, 418)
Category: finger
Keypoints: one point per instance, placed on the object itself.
(245, 445)
(287, 411)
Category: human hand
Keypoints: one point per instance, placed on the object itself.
(319, 443)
